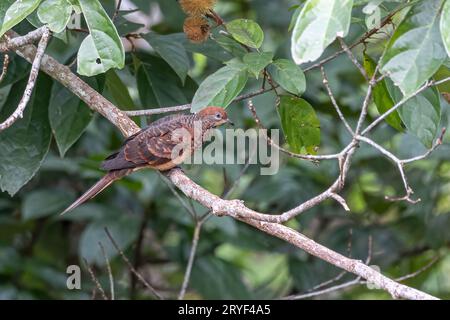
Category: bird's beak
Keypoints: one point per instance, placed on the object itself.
(230, 122)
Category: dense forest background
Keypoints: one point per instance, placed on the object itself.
(64, 143)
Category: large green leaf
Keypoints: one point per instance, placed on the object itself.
(4, 5)
(123, 228)
(55, 13)
(317, 26)
(247, 32)
(289, 76)
(41, 203)
(415, 51)
(103, 48)
(230, 45)
(172, 51)
(220, 88)
(69, 117)
(119, 91)
(420, 114)
(301, 126)
(158, 84)
(215, 278)
(445, 26)
(257, 61)
(381, 96)
(25, 144)
(15, 13)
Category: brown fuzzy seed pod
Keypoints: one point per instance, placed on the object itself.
(197, 7)
(196, 29)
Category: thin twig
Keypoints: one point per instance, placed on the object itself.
(324, 291)
(427, 85)
(436, 144)
(31, 82)
(108, 267)
(401, 163)
(353, 59)
(116, 12)
(184, 107)
(252, 109)
(131, 268)
(361, 40)
(187, 274)
(334, 102)
(367, 100)
(420, 271)
(95, 280)
(5, 67)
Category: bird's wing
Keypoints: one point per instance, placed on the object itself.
(149, 149)
(164, 125)
(151, 146)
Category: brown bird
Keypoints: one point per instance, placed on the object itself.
(163, 145)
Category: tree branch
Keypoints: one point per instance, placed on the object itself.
(334, 102)
(191, 189)
(13, 41)
(80, 88)
(234, 208)
(37, 59)
(184, 107)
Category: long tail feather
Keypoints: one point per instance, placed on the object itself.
(101, 185)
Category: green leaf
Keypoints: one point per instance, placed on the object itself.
(119, 91)
(158, 84)
(215, 278)
(220, 88)
(18, 11)
(125, 26)
(415, 51)
(76, 6)
(257, 61)
(38, 204)
(55, 13)
(247, 32)
(230, 45)
(4, 5)
(172, 51)
(420, 114)
(317, 26)
(69, 117)
(102, 49)
(301, 126)
(25, 144)
(445, 26)
(123, 228)
(294, 18)
(381, 96)
(289, 76)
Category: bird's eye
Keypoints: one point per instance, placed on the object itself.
(218, 116)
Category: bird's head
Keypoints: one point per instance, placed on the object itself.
(214, 116)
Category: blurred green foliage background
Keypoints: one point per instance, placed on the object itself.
(233, 260)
